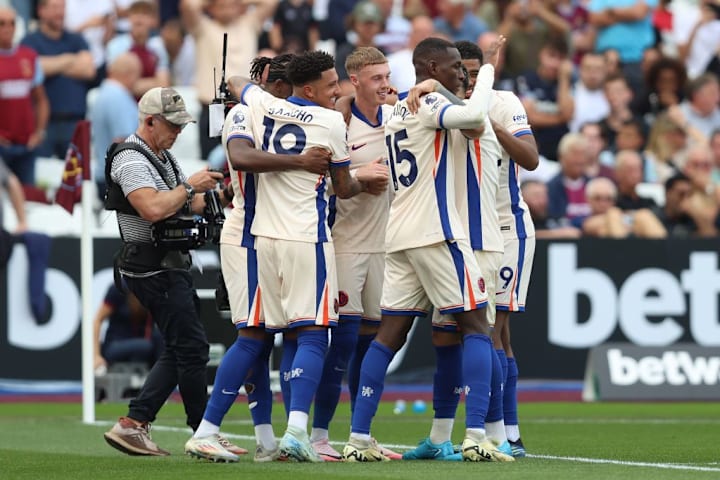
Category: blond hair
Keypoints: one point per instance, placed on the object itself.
(361, 57)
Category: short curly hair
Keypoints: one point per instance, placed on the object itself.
(469, 51)
(308, 67)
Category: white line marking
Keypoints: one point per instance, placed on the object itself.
(636, 421)
(665, 466)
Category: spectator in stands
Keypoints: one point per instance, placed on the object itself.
(68, 66)
(457, 21)
(665, 148)
(715, 148)
(536, 196)
(702, 205)
(13, 188)
(526, 33)
(93, 19)
(628, 174)
(143, 16)
(599, 159)
(566, 191)
(607, 220)
(673, 215)
(366, 21)
(664, 87)
(580, 32)
(702, 107)
(294, 29)
(243, 24)
(22, 93)
(631, 136)
(626, 28)
(180, 48)
(591, 105)
(487, 42)
(114, 113)
(547, 97)
(619, 97)
(704, 41)
(401, 66)
(130, 336)
(396, 31)
(333, 27)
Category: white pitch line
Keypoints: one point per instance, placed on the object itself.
(636, 421)
(666, 466)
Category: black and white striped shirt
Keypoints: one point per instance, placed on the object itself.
(131, 171)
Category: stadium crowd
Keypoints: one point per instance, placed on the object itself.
(615, 89)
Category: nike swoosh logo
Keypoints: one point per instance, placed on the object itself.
(357, 147)
(225, 392)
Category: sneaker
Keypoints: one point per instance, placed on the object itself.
(505, 448)
(263, 454)
(231, 447)
(359, 451)
(389, 453)
(485, 451)
(426, 450)
(295, 446)
(209, 448)
(518, 449)
(325, 451)
(133, 438)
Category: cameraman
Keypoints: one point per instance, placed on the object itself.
(147, 186)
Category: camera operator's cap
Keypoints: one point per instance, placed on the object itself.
(168, 103)
(366, 11)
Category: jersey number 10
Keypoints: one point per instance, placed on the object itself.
(276, 139)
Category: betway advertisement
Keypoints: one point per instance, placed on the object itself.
(583, 294)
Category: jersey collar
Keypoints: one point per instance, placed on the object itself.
(301, 101)
(356, 111)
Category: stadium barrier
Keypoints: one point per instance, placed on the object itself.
(583, 294)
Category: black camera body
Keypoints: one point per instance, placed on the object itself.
(185, 233)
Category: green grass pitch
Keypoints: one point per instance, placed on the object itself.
(635, 441)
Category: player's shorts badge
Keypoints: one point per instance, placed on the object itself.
(343, 298)
(481, 284)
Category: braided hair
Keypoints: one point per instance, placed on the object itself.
(277, 71)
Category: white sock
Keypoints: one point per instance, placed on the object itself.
(265, 436)
(205, 429)
(513, 432)
(298, 419)
(360, 438)
(319, 434)
(441, 430)
(496, 432)
(476, 434)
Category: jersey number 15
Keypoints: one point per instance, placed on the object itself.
(397, 156)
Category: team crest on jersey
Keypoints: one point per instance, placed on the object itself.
(481, 284)
(343, 298)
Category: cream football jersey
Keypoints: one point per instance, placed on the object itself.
(423, 211)
(476, 187)
(359, 222)
(236, 229)
(293, 204)
(513, 212)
